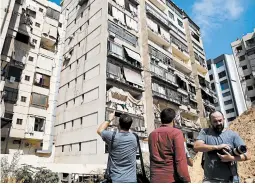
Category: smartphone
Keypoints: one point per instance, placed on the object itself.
(117, 114)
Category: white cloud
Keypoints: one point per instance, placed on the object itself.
(211, 14)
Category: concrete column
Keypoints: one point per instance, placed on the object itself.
(144, 50)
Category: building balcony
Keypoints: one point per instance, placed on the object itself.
(173, 97)
(113, 80)
(179, 49)
(182, 65)
(160, 57)
(152, 12)
(250, 43)
(131, 59)
(201, 67)
(162, 74)
(208, 104)
(49, 35)
(192, 97)
(158, 38)
(160, 4)
(46, 52)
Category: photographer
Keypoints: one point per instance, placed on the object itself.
(218, 144)
(121, 164)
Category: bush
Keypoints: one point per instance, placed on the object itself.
(11, 173)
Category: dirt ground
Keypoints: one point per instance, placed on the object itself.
(244, 125)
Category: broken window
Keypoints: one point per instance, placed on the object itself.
(52, 13)
(11, 95)
(39, 124)
(182, 84)
(14, 74)
(39, 100)
(42, 80)
(22, 38)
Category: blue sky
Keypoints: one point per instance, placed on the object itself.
(221, 21)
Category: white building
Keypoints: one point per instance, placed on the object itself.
(132, 56)
(244, 54)
(226, 83)
(30, 69)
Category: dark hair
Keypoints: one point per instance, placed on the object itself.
(167, 116)
(125, 122)
(210, 115)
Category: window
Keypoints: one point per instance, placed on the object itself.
(52, 13)
(247, 77)
(241, 58)
(14, 74)
(228, 102)
(219, 64)
(40, 9)
(11, 95)
(62, 148)
(64, 125)
(81, 120)
(37, 24)
(244, 67)
(19, 1)
(19, 122)
(23, 99)
(59, 24)
(27, 78)
(250, 88)
(252, 99)
(211, 77)
(22, 38)
(171, 15)
(209, 67)
(226, 94)
(42, 80)
(213, 86)
(230, 110)
(180, 23)
(224, 85)
(39, 100)
(79, 146)
(39, 124)
(72, 123)
(195, 36)
(222, 74)
(30, 58)
(239, 48)
(231, 119)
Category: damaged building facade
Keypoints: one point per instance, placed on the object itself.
(30, 69)
(131, 56)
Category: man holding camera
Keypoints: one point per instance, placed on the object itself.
(218, 145)
(121, 164)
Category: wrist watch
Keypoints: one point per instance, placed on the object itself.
(109, 121)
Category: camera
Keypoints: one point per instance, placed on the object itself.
(235, 151)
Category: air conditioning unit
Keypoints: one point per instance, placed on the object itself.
(71, 37)
(67, 57)
(27, 145)
(111, 35)
(138, 129)
(12, 79)
(143, 129)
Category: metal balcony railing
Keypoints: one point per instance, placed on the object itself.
(118, 52)
(160, 56)
(163, 74)
(170, 95)
(156, 15)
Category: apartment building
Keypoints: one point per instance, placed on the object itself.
(131, 56)
(224, 80)
(244, 54)
(30, 73)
